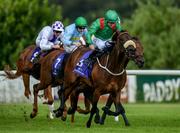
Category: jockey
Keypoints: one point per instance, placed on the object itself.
(49, 38)
(73, 35)
(100, 33)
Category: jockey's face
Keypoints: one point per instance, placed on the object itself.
(80, 29)
(57, 33)
(111, 24)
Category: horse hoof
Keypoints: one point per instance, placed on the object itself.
(127, 124)
(58, 113)
(32, 115)
(54, 111)
(88, 125)
(97, 119)
(101, 122)
(63, 118)
(71, 111)
(51, 115)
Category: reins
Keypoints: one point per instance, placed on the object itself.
(125, 45)
(105, 67)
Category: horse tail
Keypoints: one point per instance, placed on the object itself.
(10, 74)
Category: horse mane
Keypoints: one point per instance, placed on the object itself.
(115, 35)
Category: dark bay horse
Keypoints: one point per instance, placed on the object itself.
(108, 74)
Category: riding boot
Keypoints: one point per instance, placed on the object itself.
(36, 58)
(92, 58)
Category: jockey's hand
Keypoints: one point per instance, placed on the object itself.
(57, 46)
(92, 46)
(58, 42)
(77, 44)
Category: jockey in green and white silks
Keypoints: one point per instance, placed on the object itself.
(100, 34)
(102, 29)
(74, 33)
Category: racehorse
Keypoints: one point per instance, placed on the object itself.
(138, 59)
(108, 74)
(47, 79)
(25, 68)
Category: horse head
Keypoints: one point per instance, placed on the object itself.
(138, 56)
(131, 46)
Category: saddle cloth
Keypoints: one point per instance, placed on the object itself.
(35, 53)
(81, 68)
(57, 65)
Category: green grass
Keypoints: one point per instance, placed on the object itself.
(151, 118)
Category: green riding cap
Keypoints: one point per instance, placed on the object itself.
(81, 21)
(111, 16)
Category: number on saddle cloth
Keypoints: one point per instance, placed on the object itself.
(35, 54)
(57, 65)
(81, 68)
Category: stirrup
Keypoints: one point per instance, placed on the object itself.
(35, 60)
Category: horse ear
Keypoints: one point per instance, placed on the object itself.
(123, 30)
(135, 38)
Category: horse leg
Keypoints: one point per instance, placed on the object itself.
(35, 106)
(97, 117)
(122, 112)
(106, 109)
(87, 107)
(72, 118)
(94, 108)
(64, 115)
(37, 87)
(73, 101)
(87, 102)
(48, 94)
(51, 113)
(120, 109)
(26, 80)
(59, 111)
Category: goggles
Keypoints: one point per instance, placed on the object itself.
(81, 27)
(110, 22)
(57, 31)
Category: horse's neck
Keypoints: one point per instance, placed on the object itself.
(117, 61)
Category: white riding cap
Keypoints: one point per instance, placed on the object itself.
(58, 26)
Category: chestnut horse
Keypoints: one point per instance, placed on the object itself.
(26, 69)
(108, 74)
(47, 79)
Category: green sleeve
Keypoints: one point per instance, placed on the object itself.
(93, 28)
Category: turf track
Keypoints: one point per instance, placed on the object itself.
(151, 118)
